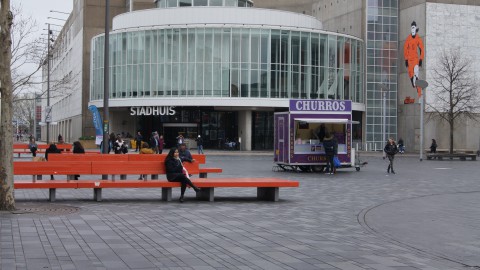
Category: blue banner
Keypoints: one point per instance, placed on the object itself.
(97, 122)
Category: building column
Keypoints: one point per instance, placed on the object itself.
(245, 130)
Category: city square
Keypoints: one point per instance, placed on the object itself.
(423, 217)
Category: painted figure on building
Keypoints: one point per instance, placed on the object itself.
(411, 49)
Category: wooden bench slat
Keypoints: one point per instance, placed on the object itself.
(45, 184)
(47, 168)
(86, 157)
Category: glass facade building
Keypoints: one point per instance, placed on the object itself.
(230, 62)
(215, 55)
(382, 70)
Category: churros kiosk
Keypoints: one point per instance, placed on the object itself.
(298, 142)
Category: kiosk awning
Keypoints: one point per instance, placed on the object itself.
(317, 120)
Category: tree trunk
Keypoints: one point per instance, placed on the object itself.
(451, 122)
(7, 200)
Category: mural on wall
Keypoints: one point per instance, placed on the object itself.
(413, 61)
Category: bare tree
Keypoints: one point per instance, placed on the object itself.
(454, 90)
(27, 51)
(24, 110)
(7, 200)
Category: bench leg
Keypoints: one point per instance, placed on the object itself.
(39, 177)
(203, 175)
(97, 194)
(51, 194)
(104, 177)
(268, 194)
(123, 177)
(154, 176)
(206, 194)
(166, 194)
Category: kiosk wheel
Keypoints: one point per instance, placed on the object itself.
(318, 168)
(357, 168)
(304, 168)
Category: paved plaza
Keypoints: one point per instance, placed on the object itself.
(424, 217)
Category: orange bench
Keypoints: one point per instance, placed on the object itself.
(200, 159)
(24, 149)
(267, 188)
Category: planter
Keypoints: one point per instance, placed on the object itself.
(88, 144)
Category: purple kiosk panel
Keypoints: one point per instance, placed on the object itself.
(308, 120)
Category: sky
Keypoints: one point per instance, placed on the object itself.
(39, 10)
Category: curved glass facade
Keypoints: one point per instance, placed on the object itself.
(230, 62)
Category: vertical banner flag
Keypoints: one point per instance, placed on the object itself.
(97, 122)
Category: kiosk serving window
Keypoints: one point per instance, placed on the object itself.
(309, 135)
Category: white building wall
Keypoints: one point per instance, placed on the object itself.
(452, 27)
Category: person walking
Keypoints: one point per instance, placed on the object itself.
(119, 146)
(78, 149)
(329, 146)
(390, 149)
(401, 146)
(52, 149)
(161, 144)
(180, 140)
(433, 147)
(176, 172)
(138, 141)
(199, 141)
(154, 142)
(32, 145)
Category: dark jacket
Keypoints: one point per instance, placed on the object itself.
(138, 137)
(199, 141)
(174, 168)
(52, 149)
(185, 155)
(329, 146)
(390, 149)
(78, 150)
(153, 142)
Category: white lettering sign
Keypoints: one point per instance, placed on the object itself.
(150, 110)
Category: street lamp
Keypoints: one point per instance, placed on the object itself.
(384, 113)
(106, 78)
(423, 85)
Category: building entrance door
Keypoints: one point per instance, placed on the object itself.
(172, 130)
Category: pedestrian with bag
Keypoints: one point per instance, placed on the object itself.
(329, 146)
(391, 150)
(177, 173)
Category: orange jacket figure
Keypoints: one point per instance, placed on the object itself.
(410, 52)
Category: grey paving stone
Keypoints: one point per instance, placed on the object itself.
(352, 220)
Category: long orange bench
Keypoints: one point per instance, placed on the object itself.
(200, 159)
(267, 188)
(24, 149)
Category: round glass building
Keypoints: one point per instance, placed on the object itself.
(221, 60)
